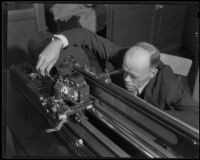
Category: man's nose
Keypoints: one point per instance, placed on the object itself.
(127, 78)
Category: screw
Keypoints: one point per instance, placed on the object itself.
(41, 98)
(79, 142)
(44, 104)
(194, 142)
(108, 80)
(88, 107)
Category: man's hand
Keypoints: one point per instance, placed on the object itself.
(49, 57)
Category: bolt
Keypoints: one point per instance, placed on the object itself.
(108, 80)
(77, 119)
(88, 107)
(43, 104)
(79, 142)
(41, 98)
(194, 142)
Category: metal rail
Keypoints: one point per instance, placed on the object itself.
(179, 133)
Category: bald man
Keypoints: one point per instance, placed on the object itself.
(144, 74)
(137, 67)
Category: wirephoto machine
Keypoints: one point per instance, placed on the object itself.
(95, 117)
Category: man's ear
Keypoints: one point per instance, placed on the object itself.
(153, 72)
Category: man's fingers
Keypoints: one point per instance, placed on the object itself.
(45, 67)
(48, 58)
(42, 68)
(40, 61)
(42, 64)
(50, 65)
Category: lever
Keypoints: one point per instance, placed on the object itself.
(59, 126)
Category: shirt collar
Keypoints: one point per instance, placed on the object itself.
(142, 87)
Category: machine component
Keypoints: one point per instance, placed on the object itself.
(68, 64)
(34, 76)
(72, 87)
(79, 143)
(71, 95)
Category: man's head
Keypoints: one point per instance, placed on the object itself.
(140, 65)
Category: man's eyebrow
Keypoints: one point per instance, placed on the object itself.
(124, 65)
(124, 68)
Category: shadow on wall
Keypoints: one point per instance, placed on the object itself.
(14, 55)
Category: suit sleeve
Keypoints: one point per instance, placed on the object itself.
(98, 45)
(186, 109)
(181, 100)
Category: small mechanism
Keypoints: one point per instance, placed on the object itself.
(79, 143)
(72, 87)
(68, 93)
(71, 93)
(59, 126)
(34, 76)
(71, 96)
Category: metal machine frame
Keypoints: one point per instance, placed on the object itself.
(116, 123)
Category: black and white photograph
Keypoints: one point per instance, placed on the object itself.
(92, 79)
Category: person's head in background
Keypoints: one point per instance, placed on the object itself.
(140, 65)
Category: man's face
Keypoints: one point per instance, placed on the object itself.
(136, 69)
(134, 80)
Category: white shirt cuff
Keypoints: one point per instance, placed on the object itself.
(62, 38)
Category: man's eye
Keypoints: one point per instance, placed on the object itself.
(126, 74)
(134, 76)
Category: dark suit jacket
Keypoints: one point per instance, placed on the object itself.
(163, 91)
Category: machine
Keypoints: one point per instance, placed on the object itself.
(95, 117)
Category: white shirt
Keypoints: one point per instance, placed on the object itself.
(62, 38)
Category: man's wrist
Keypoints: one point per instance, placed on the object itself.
(58, 42)
(62, 38)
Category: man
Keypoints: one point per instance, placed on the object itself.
(144, 74)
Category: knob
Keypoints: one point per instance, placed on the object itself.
(79, 143)
(159, 6)
(41, 98)
(196, 34)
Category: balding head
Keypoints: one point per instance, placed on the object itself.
(140, 63)
(137, 59)
(143, 55)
